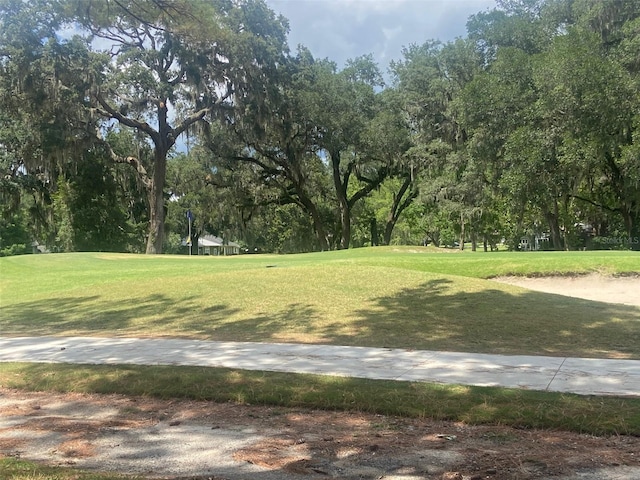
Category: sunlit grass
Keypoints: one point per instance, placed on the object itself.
(368, 297)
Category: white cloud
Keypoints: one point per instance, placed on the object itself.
(343, 29)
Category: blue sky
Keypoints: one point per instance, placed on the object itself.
(343, 29)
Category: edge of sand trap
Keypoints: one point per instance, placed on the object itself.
(594, 286)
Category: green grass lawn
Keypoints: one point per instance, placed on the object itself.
(392, 297)
(461, 403)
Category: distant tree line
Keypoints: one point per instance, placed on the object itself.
(118, 116)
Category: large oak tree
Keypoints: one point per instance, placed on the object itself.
(159, 68)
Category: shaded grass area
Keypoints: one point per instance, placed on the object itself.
(337, 304)
(17, 469)
(472, 405)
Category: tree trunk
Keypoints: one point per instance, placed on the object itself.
(343, 202)
(318, 226)
(155, 238)
(397, 207)
(388, 230)
(345, 224)
(374, 232)
(163, 140)
(554, 228)
(461, 232)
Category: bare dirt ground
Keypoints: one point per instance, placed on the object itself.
(188, 439)
(204, 440)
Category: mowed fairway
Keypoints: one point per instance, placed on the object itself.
(391, 297)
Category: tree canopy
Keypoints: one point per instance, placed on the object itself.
(117, 116)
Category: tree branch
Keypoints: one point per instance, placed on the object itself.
(200, 114)
(266, 168)
(369, 187)
(190, 120)
(129, 160)
(110, 112)
(599, 205)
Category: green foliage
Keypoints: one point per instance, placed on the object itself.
(14, 249)
(173, 244)
(527, 126)
(99, 218)
(188, 56)
(64, 218)
(549, 122)
(286, 229)
(14, 237)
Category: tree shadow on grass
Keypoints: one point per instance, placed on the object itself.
(154, 314)
(157, 315)
(437, 316)
(292, 322)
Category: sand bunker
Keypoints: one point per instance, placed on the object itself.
(601, 288)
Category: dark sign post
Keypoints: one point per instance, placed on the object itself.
(189, 242)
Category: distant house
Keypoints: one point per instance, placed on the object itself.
(534, 243)
(212, 245)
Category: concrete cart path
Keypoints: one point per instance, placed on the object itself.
(584, 376)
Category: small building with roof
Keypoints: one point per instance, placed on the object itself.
(212, 245)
